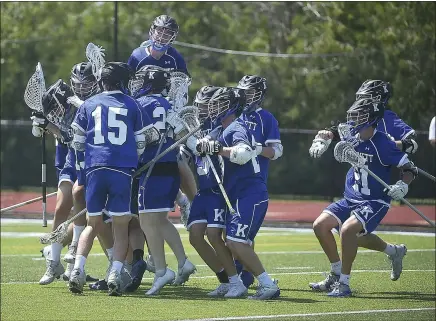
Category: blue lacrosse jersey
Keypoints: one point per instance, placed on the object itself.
(141, 57)
(157, 107)
(394, 126)
(241, 180)
(265, 129)
(110, 121)
(381, 153)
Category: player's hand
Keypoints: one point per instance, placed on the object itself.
(320, 144)
(409, 145)
(209, 147)
(39, 123)
(75, 101)
(398, 190)
(175, 122)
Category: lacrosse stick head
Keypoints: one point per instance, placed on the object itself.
(179, 85)
(188, 116)
(344, 152)
(57, 236)
(255, 91)
(35, 89)
(95, 55)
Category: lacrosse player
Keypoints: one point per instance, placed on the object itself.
(265, 129)
(399, 132)
(244, 184)
(365, 202)
(157, 195)
(109, 128)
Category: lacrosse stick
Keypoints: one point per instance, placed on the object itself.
(178, 93)
(35, 89)
(26, 202)
(59, 234)
(95, 55)
(345, 153)
(428, 175)
(220, 184)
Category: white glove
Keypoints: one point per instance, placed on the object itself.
(75, 101)
(36, 131)
(320, 144)
(259, 149)
(191, 143)
(39, 123)
(175, 122)
(208, 147)
(398, 190)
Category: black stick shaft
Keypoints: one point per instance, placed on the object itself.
(44, 182)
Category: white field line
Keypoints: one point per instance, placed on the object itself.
(259, 252)
(294, 268)
(273, 274)
(292, 230)
(296, 315)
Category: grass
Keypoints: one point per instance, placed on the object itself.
(23, 299)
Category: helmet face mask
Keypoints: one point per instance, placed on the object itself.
(364, 113)
(163, 32)
(83, 82)
(255, 90)
(202, 99)
(226, 101)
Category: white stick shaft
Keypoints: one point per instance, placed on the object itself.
(378, 179)
(26, 202)
(220, 184)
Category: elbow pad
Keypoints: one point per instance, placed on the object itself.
(241, 154)
(278, 150)
(191, 143)
(140, 143)
(78, 142)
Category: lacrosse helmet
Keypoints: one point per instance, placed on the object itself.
(54, 102)
(378, 90)
(116, 75)
(225, 102)
(202, 98)
(83, 81)
(163, 32)
(255, 90)
(150, 79)
(364, 113)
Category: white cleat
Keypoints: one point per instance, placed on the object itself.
(70, 256)
(183, 274)
(46, 252)
(220, 291)
(236, 290)
(108, 270)
(160, 282)
(77, 281)
(54, 271)
(67, 273)
(114, 283)
(150, 264)
(397, 261)
(185, 210)
(266, 292)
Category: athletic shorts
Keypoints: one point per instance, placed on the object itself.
(250, 213)
(208, 207)
(108, 189)
(369, 213)
(68, 172)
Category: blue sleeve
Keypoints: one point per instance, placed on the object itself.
(271, 130)
(133, 61)
(396, 127)
(390, 154)
(139, 117)
(81, 119)
(181, 64)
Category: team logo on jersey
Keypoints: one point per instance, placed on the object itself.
(167, 62)
(219, 215)
(365, 211)
(240, 232)
(251, 125)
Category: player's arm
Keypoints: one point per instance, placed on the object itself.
(408, 172)
(274, 147)
(145, 132)
(402, 134)
(79, 133)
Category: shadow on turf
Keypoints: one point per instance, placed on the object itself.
(401, 295)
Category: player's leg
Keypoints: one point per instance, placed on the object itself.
(188, 185)
(331, 217)
(364, 219)
(395, 253)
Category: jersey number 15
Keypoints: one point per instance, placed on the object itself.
(112, 122)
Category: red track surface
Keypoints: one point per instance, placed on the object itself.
(278, 211)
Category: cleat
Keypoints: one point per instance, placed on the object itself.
(100, 285)
(114, 283)
(340, 290)
(184, 213)
(138, 270)
(160, 282)
(125, 279)
(247, 278)
(266, 292)
(397, 261)
(236, 290)
(46, 251)
(150, 264)
(183, 274)
(77, 281)
(54, 271)
(325, 285)
(70, 256)
(221, 290)
(67, 274)
(91, 278)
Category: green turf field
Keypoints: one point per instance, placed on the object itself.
(294, 258)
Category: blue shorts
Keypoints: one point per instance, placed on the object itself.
(251, 210)
(108, 190)
(68, 173)
(208, 207)
(159, 194)
(369, 213)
